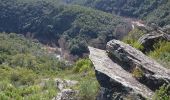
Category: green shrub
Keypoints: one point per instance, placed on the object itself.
(163, 93)
(3, 96)
(83, 65)
(88, 89)
(160, 48)
(34, 89)
(161, 53)
(137, 73)
(132, 39)
(22, 76)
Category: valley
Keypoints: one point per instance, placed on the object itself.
(84, 50)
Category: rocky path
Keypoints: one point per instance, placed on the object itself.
(105, 65)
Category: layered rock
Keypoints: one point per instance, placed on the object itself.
(148, 40)
(115, 72)
(129, 58)
(113, 78)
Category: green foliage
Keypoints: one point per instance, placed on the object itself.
(29, 71)
(78, 47)
(23, 65)
(137, 73)
(160, 47)
(161, 52)
(33, 92)
(132, 38)
(23, 76)
(17, 51)
(83, 65)
(88, 90)
(156, 11)
(163, 93)
(47, 22)
(83, 72)
(88, 85)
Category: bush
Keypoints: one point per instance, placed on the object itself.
(163, 93)
(161, 53)
(78, 47)
(21, 76)
(160, 48)
(132, 39)
(83, 65)
(88, 90)
(137, 73)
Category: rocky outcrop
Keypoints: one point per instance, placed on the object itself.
(64, 86)
(148, 40)
(129, 58)
(115, 72)
(113, 78)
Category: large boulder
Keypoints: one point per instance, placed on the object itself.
(153, 74)
(113, 79)
(125, 71)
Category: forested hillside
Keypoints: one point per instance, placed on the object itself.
(156, 11)
(48, 22)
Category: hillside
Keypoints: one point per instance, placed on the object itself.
(49, 22)
(156, 11)
(84, 49)
(23, 65)
(29, 72)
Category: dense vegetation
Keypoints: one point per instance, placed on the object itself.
(163, 93)
(162, 53)
(25, 66)
(48, 22)
(156, 11)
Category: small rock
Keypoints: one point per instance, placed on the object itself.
(61, 84)
(66, 94)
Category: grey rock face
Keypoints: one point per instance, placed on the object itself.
(167, 29)
(155, 74)
(114, 78)
(114, 71)
(149, 40)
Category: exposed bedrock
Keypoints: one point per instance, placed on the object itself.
(115, 82)
(148, 40)
(154, 74)
(113, 90)
(125, 71)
